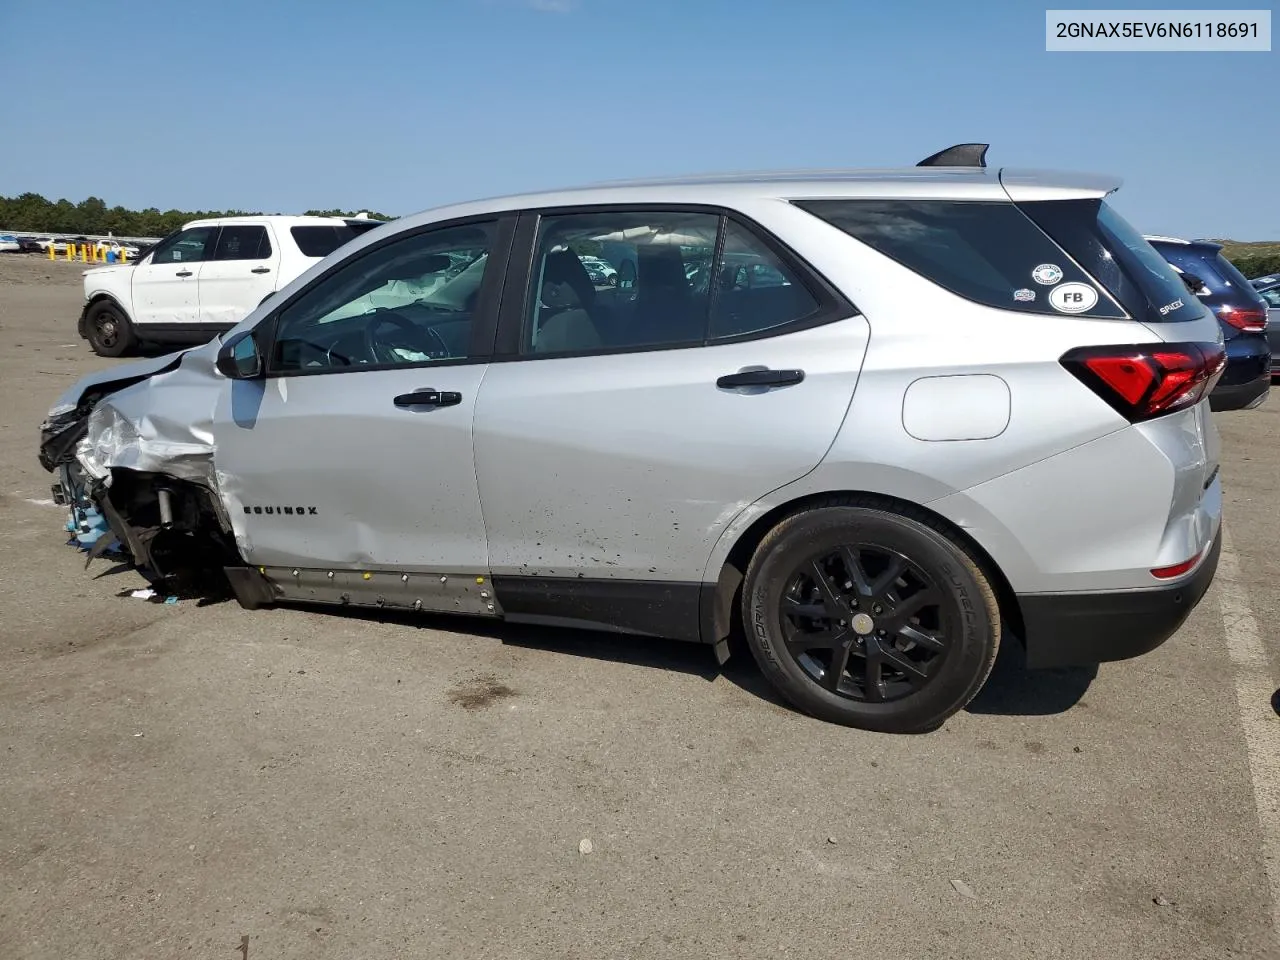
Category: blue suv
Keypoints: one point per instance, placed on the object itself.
(1241, 313)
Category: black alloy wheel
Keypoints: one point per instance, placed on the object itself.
(870, 617)
(864, 622)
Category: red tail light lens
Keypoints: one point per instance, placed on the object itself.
(1250, 320)
(1142, 381)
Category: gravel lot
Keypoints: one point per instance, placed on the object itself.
(176, 778)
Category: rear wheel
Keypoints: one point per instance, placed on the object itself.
(870, 618)
(110, 332)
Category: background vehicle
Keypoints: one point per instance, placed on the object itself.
(1270, 280)
(9, 243)
(1271, 295)
(203, 279)
(601, 272)
(1241, 314)
(29, 245)
(1028, 452)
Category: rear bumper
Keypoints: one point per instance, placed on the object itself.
(1075, 629)
(1241, 396)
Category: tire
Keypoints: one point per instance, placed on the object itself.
(110, 332)
(915, 633)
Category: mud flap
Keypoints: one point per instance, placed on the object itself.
(253, 591)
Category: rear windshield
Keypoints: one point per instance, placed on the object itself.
(1105, 244)
(321, 240)
(985, 251)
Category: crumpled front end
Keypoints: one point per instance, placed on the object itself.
(134, 460)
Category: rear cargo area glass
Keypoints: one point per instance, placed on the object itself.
(1106, 245)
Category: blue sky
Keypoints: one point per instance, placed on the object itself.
(398, 106)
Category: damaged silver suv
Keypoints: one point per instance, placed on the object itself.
(451, 414)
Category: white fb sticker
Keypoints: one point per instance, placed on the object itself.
(1047, 274)
(1073, 298)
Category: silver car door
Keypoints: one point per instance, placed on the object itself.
(625, 437)
(355, 451)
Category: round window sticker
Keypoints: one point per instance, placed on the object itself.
(1047, 274)
(1073, 298)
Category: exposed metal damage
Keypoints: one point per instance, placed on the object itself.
(133, 458)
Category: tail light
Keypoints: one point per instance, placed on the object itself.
(1148, 380)
(1250, 319)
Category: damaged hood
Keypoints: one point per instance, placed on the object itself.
(120, 373)
(138, 414)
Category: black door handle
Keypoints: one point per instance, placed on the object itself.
(761, 378)
(260, 270)
(429, 397)
(183, 273)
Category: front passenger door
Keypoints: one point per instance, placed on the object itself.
(166, 285)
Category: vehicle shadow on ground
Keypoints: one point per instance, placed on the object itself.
(1015, 690)
(1011, 690)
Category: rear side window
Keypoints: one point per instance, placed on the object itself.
(985, 251)
(248, 242)
(1105, 244)
(320, 240)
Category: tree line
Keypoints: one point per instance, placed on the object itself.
(32, 213)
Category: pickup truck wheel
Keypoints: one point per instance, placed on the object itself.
(110, 332)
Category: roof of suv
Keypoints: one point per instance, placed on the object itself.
(279, 219)
(933, 183)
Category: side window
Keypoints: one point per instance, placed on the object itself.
(243, 242)
(985, 251)
(756, 290)
(409, 301)
(187, 246)
(619, 280)
(1272, 297)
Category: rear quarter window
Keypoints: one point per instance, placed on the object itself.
(320, 240)
(985, 251)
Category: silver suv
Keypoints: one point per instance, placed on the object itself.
(968, 404)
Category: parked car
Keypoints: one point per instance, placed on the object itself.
(1241, 314)
(203, 279)
(29, 245)
(1271, 296)
(1029, 451)
(1270, 280)
(601, 272)
(9, 243)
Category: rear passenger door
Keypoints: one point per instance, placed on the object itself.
(627, 426)
(239, 274)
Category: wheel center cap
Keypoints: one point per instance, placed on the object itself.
(862, 624)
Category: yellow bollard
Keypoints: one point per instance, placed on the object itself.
(124, 257)
(67, 250)
(52, 253)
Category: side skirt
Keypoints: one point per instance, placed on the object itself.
(650, 608)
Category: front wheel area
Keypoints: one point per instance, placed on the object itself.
(109, 331)
(870, 618)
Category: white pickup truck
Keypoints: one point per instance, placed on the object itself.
(203, 279)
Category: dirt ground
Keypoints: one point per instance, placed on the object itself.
(177, 778)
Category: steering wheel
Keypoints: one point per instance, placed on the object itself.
(415, 332)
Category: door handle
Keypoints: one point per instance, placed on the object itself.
(429, 397)
(183, 273)
(260, 270)
(761, 378)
